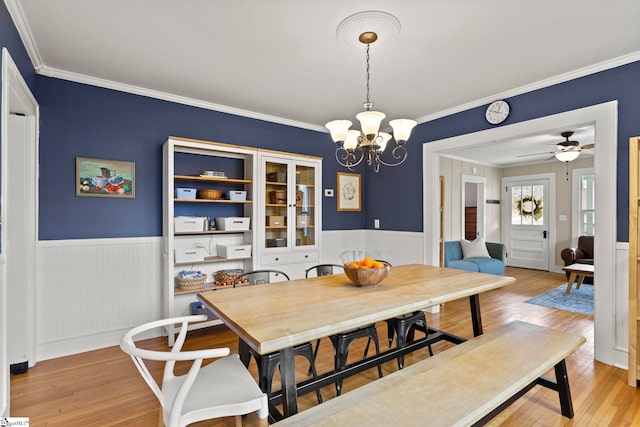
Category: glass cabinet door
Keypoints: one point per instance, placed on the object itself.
(290, 205)
(276, 204)
(305, 206)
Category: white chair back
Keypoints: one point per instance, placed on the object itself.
(221, 388)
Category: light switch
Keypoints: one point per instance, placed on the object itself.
(328, 192)
(562, 218)
(376, 223)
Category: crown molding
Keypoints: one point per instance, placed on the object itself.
(561, 78)
(108, 84)
(17, 15)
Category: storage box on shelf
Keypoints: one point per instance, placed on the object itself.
(234, 251)
(237, 195)
(192, 195)
(233, 223)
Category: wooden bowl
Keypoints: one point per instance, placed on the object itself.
(366, 276)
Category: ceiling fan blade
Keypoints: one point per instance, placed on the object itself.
(536, 154)
(586, 146)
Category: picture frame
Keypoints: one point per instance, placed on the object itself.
(105, 178)
(349, 192)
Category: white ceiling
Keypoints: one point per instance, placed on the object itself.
(280, 60)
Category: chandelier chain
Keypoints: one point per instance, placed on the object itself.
(367, 69)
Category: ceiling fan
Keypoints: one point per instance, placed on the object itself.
(566, 150)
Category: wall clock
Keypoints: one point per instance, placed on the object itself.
(497, 112)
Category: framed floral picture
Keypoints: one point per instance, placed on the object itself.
(105, 178)
(348, 191)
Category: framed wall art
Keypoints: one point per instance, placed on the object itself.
(105, 178)
(348, 191)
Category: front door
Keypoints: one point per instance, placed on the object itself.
(526, 223)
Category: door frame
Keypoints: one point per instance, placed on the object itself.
(481, 181)
(550, 206)
(17, 98)
(609, 347)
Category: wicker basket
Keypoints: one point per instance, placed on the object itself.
(189, 284)
(225, 276)
(209, 194)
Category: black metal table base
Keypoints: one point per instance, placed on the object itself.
(289, 400)
(328, 378)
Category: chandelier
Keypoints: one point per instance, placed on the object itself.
(354, 146)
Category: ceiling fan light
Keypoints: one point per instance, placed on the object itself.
(402, 128)
(338, 129)
(567, 155)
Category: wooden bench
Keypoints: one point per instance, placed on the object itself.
(466, 385)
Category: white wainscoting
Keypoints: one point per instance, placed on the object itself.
(396, 247)
(621, 306)
(89, 292)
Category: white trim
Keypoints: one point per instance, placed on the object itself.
(580, 72)
(109, 84)
(17, 98)
(15, 10)
(551, 212)
(17, 15)
(93, 242)
(605, 118)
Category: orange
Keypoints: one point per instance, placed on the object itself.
(368, 262)
(378, 264)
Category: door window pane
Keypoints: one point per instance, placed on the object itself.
(527, 205)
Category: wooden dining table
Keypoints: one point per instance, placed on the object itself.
(278, 316)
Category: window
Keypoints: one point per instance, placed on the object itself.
(583, 217)
(586, 205)
(527, 205)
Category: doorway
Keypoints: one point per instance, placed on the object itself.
(609, 299)
(473, 207)
(18, 201)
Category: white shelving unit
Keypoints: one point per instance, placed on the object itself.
(184, 160)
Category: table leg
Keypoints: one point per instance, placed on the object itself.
(562, 379)
(288, 377)
(580, 280)
(476, 319)
(243, 352)
(572, 278)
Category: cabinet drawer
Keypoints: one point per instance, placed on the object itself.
(277, 259)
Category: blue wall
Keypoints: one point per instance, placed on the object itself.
(79, 120)
(87, 121)
(394, 194)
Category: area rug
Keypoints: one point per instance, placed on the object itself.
(578, 300)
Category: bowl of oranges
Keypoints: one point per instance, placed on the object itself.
(367, 271)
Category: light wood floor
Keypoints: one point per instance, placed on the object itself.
(103, 388)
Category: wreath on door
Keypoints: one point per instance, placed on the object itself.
(530, 207)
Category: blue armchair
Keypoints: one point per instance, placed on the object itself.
(495, 265)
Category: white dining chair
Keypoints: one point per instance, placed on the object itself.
(222, 388)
